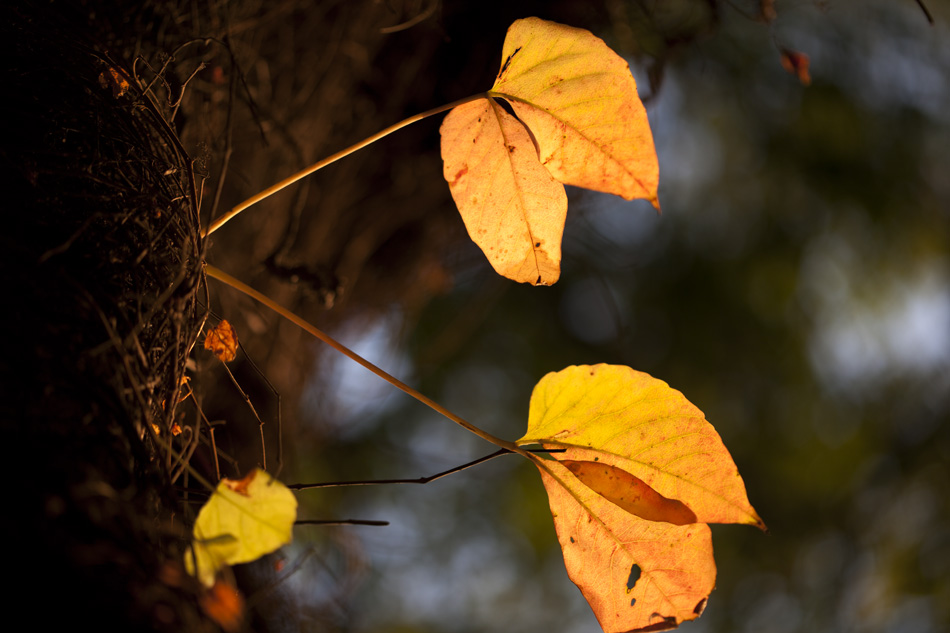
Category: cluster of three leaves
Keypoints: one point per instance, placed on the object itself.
(639, 474)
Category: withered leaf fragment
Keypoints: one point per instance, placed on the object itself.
(222, 341)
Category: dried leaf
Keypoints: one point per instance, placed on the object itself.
(797, 64)
(111, 78)
(623, 489)
(224, 605)
(222, 341)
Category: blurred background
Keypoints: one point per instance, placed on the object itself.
(796, 288)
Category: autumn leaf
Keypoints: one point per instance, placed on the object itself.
(637, 575)
(628, 419)
(640, 473)
(797, 64)
(581, 123)
(222, 340)
(511, 205)
(580, 102)
(243, 520)
(224, 605)
(113, 79)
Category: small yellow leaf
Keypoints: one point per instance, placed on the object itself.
(222, 340)
(580, 102)
(512, 207)
(243, 520)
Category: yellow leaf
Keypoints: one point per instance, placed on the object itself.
(222, 340)
(580, 102)
(512, 207)
(243, 520)
(618, 416)
(637, 575)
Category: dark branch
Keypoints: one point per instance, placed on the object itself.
(420, 480)
(341, 522)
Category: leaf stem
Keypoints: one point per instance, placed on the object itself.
(224, 277)
(286, 182)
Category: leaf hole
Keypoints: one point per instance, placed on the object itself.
(633, 578)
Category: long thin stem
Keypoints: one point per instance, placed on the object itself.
(220, 275)
(387, 482)
(419, 480)
(286, 182)
(341, 522)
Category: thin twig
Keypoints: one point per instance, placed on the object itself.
(214, 451)
(341, 522)
(420, 480)
(383, 482)
(280, 433)
(923, 7)
(254, 599)
(222, 276)
(260, 422)
(218, 223)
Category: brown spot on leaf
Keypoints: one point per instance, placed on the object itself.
(461, 172)
(240, 485)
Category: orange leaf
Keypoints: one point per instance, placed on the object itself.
(637, 575)
(222, 341)
(580, 102)
(512, 207)
(240, 486)
(797, 64)
(111, 78)
(223, 604)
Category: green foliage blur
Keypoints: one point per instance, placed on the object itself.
(796, 288)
